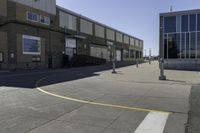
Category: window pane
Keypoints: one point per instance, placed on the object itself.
(198, 44)
(193, 22)
(174, 46)
(170, 24)
(165, 46)
(184, 23)
(192, 45)
(31, 45)
(1, 57)
(126, 53)
(187, 45)
(178, 24)
(198, 22)
(132, 54)
(182, 45)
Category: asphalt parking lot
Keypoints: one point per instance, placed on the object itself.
(92, 100)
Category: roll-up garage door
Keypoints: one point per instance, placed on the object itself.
(99, 52)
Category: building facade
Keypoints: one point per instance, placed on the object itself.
(36, 34)
(180, 39)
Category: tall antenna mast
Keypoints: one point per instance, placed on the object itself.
(171, 8)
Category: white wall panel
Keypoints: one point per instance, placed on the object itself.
(48, 6)
(99, 31)
(119, 37)
(67, 20)
(86, 27)
(110, 34)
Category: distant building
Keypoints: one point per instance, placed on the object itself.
(180, 39)
(36, 33)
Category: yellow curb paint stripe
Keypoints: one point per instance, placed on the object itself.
(101, 104)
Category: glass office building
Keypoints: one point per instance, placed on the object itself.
(180, 35)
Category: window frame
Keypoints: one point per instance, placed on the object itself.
(45, 17)
(31, 38)
(32, 20)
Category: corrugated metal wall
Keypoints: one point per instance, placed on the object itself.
(68, 21)
(99, 31)
(86, 27)
(44, 5)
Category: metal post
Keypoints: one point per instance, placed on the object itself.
(137, 63)
(113, 61)
(114, 67)
(149, 56)
(162, 76)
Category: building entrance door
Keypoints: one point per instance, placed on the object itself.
(70, 47)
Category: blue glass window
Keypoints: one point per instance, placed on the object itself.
(193, 45)
(184, 23)
(170, 24)
(198, 44)
(198, 22)
(173, 46)
(45, 20)
(31, 45)
(187, 45)
(193, 22)
(32, 16)
(183, 45)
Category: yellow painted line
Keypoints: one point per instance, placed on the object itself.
(101, 104)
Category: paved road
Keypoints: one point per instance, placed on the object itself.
(25, 109)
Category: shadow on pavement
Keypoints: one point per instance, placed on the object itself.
(28, 80)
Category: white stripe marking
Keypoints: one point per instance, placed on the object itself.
(154, 122)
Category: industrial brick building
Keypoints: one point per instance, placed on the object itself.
(37, 33)
(180, 39)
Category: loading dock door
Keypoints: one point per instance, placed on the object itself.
(118, 55)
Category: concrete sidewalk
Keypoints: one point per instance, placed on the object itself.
(132, 87)
(29, 110)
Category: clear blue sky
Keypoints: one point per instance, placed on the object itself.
(139, 18)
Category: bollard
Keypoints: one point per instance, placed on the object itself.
(149, 61)
(162, 76)
(114, 67)
(137, 63)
